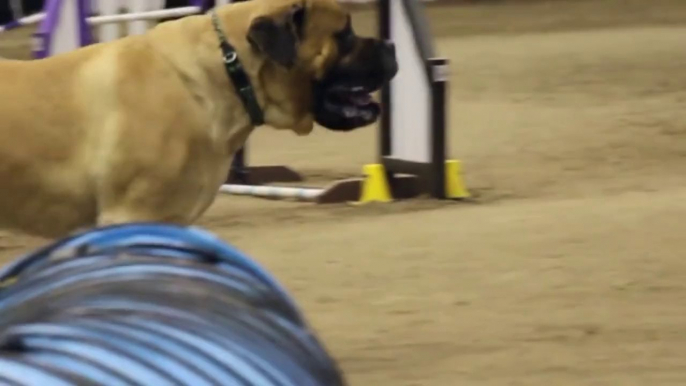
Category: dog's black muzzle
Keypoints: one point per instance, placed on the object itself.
(343, 100)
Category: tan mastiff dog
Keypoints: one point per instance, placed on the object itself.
(144, 128)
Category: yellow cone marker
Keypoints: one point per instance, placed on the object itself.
(454, 183)
(375, 187)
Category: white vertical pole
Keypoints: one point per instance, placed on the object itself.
(66, 31)
(138, 27)
(94, 6)
(109, 32)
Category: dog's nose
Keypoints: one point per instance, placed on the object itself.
(389, 60)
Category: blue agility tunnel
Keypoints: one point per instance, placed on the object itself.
(152, 305)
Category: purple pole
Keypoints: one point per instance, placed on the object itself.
(46, 30)
(85, 36)
(198, 3)
(42, 41)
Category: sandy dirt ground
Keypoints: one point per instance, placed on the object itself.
(567, 269)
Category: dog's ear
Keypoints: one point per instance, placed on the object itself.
(278, 36)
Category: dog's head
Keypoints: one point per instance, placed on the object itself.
(317, 68)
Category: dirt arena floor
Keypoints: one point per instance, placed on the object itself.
(568, 267)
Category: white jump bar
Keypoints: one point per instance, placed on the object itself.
(304, 194)
(27, 20)
(32, 19)
(149, 15)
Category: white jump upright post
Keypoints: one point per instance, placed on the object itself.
(109, 31)
(138, 27)
(414, 120)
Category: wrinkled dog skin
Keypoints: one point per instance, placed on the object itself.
(143, 128)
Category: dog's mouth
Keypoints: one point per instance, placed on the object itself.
(346, 107)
